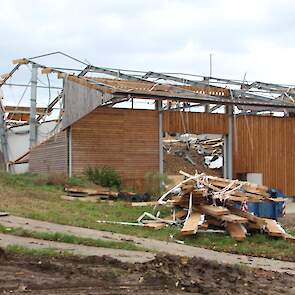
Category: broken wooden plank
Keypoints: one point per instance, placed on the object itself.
(273, 228)
(250, 196)
(20, 61)
(247, 186)
(142, 204)
(254, 226)
(233, 218)
(190, 226)
(204, 226)
(289, 238)
(247, 215)
(155, 225)
(46, 70)
(180, 214)
(236, 231)
(200, 193)
(213, 210)
(84, 191)
(214, 222)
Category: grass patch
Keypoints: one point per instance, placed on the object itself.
(78, 181)
(254, 245)
(32, 201)
(71, 239)
(16, 249)
(44, 182)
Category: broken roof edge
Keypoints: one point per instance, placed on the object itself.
(252, 100)
(190, 96)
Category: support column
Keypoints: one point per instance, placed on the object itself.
(3, 138)
(228, 145)
(69, 146)
(33, 121)
(159, 106)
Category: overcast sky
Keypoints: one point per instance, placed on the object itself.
(256, 37)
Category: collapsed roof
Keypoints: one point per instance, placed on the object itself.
(123, 85)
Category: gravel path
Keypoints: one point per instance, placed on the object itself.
(155, 245)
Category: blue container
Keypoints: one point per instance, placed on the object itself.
(268, 209)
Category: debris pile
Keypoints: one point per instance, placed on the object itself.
(209, 147)
(203, 202)
(212, 150)
(193, 153)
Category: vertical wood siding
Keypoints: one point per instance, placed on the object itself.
(127, 140)
(194, 122)
(50, 156)
(265, 144)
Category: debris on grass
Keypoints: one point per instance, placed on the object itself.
(206, 203)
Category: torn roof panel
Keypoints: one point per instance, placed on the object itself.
(151, 90)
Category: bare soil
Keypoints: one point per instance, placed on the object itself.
(163, 275)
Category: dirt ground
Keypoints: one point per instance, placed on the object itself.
(163, 275)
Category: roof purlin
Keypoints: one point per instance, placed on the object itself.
(202, 99)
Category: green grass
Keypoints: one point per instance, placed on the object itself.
(16, 249)
(47, 183)
(71, 239)
(20, 196)
(255, 245)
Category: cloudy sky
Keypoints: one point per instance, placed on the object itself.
(256, 37)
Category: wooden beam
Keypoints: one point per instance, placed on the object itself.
(155, 225)
(4, 76)
(20, 61)
(236, 231)
(213, 210)
(249, 216)
(273, 228)
(84, 82)
(190, 227)
(46, 70)
(233, 218)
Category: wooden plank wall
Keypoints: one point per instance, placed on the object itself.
(50, 156)
(265, 144)
(127, 140)
(194, 122)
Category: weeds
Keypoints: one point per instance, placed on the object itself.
(16, 249)
(155, 183)
(104, 176)
(78, 181)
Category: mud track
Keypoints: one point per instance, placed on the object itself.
(163, 275)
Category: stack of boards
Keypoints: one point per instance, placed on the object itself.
(204, 202)
(83, 192)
